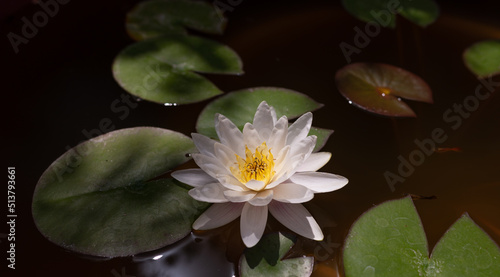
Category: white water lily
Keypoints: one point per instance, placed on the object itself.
(267, 167)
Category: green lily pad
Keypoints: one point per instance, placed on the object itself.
(420, 12)
(322, 134)
(265, 259)
(160, 69)
(240, 106)
(163, 17)
(390, 240)
(97, 198)
(377, 88)
(483, 58)
(466, 250)
(383, 12)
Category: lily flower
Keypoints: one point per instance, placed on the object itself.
(269, 167)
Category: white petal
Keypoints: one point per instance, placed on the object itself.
(204, 144)
(211, 165)
(255, 185)
(252, 223)
(314, 162)
(296, 218)
(262, 198)
(299, 152)
(229, 134)
(218, 215)
(292, 193)
(299, 129)
(225, 155)
(280, 161)
(303, 147)
(212, 193)
(319, 181)
(264, 120)
(279, 134)
(194, 177)
(278, 181)
(239, 196)
(231, 183)
(251, 137)
(287, 170)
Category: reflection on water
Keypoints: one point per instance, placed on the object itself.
(194, 255)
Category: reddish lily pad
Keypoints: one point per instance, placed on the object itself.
(378, 88)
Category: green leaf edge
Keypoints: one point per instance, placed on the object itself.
(469, 66)
(207, 132)
(184, 28)
(292, 240)
(465, 217)
(392, 23)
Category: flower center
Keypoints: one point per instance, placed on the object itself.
(256, 166)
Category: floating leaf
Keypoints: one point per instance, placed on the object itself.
(390, 239)
(97, 199)
(466, 250)
(383, 12)
(420, 12)
(163, 17)
(240, 106)
(159, 69)
(323, 136)
(377, 87)
(265, 259)
(483, 58)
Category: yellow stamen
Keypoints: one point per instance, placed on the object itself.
(256, 166)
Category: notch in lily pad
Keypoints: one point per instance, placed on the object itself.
(483, 58)
(266, 258)
(378, 88)
(390, 239)
(162, 69)
(102, 197)
(383, 12)
(154, 18)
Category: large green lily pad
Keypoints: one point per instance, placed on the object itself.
(383, 12)
(377, 88)
(266, 259)
(98, 197)
(154, 18)
(160, 69)
(240, 107)
(483, 58)
(389, 240)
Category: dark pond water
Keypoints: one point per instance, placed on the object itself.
(60, 87)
